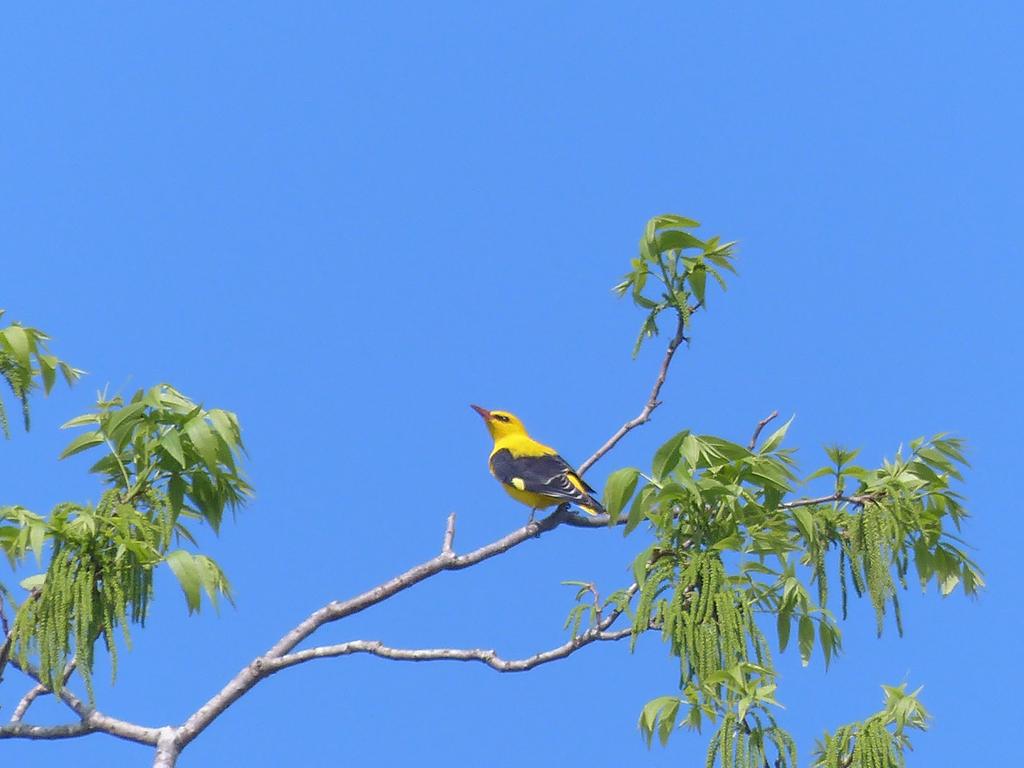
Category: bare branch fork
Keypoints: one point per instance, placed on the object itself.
(90, 720)
(170, 740)
(39, 689)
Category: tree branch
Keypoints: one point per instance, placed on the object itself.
(488, 657)
(652, 400)
(449, 536)
(761, 425)
(599, 632)
(48, 732)
(339, 609)
(91, 719)
(39, 690)
(857, 501)
(170, 741)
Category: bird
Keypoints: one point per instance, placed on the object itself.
(531, 472)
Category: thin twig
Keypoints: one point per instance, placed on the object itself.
(339, 609)
(49, 732)
(857, 500)
(488, 657)
(90, 716)
(652, 401)
(761, 425)
(38, 690)
(592, 589)
(598, 632)
(449, 536)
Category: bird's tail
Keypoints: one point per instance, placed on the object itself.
(592, 506)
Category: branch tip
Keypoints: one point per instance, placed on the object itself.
(761, 425)
(449, 536)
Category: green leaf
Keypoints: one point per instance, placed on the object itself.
(776, 437)
(805, 522)
(735, 542)
(36, 538)
(80, 421)
(176, 489)
(828, 640)
(172, 444)
(71, 375)
(48, 370)
(618, 489)
(653, 711)
(674, 239)
(923, 562)
(226, 425)
(638, 509)
(187, 572)
(691, 450)
(823, 472)
(81, 443)
(204, 440)
(33, 582)
(120, 421)
(783, 624)
(806, 639)
(20, 345)
(668, 456)
(673, 220)
(698, 281)
(213, 580)
(716, 446)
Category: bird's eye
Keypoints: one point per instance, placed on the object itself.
(501, 418)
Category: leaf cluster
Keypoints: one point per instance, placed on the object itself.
(671, 269)
(879, 741)
(25, 365)
(161, 439)
(733, 545)
(167, 463)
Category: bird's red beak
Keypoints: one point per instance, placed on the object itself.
(482, 411)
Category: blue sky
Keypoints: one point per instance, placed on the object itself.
(347, 223)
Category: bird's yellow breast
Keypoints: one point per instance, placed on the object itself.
(530, 499)
(522, 445)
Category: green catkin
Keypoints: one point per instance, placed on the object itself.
(709, 760)
(725, 735)
(765, 654)
(842, 579)
(856, 565)
(869, 754)
(821, 576)
(706, 652)
(722, 630)
(714, 660)
(879, 577)
(831, 754)
(897, 613)
(790, 743)
(761, 653)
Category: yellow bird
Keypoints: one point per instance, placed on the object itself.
(531, 472)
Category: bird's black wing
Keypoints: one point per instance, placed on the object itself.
(548, 475)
